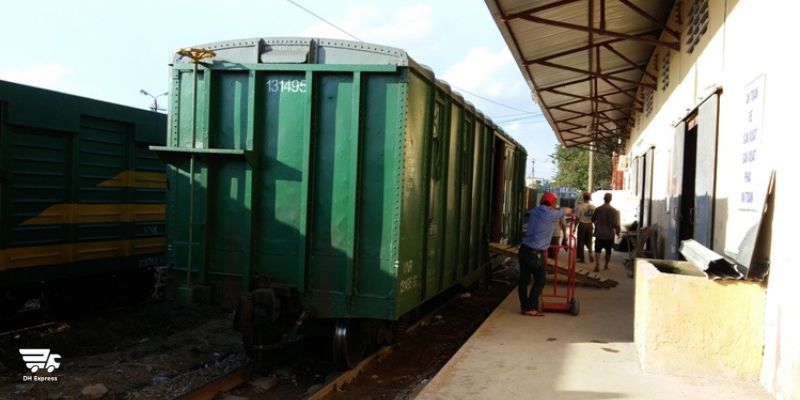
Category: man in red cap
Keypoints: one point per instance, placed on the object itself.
(532, 252)
(584, 212)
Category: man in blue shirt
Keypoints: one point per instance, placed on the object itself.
(532, 252)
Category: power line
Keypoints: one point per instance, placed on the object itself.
(531, 118)
(325, 21)
(495, 102)
(455, 87)
(518, 116)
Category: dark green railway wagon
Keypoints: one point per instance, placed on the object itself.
(80, 192)
(338, 179)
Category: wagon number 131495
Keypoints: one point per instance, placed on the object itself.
(292, 86)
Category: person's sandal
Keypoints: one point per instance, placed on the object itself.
(533, 313)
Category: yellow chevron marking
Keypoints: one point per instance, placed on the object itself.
(137, 179)
(96, 213)
(21, 257)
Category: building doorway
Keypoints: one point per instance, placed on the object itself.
(693, 178)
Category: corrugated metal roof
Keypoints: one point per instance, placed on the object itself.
(585, 60)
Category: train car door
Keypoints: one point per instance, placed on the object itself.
(498, 175)
(436, 196)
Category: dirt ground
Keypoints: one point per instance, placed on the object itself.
(150, 351)
(162, 350)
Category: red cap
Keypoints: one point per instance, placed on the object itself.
(548, 198)
(587, 196)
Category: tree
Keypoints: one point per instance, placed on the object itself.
(572, 168)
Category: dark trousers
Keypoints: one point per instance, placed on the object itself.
(553, 252)
(530, 262)
(584, 237)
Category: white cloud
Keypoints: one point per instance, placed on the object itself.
(480, 70)
(376, 25)
(41, 75)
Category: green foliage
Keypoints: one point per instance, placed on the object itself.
(572, 168)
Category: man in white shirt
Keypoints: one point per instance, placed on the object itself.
(584, 212)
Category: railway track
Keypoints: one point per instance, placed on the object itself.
(246, 374)
(224, 383)
(249, 373)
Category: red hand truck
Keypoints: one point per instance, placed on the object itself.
(563, 299)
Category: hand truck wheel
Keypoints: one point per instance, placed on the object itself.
(574, 306)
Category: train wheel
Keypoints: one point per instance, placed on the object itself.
(574, 306)
(349, 343)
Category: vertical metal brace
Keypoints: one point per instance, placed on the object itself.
(196, 55)
(252, 142)
(351, 274)
(305, 189)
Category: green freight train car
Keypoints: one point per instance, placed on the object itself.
(81, 194)
(330, 180)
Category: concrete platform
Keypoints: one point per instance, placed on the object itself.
(560, 356)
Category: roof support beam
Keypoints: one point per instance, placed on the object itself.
(611, 93)
(583, 48)
(652, 19)
(570, 51)
(620, 90)
(569, 103)
(606, 75)
(598, 99)
(565, 25)
(629, 61)
(563, 84)
(569, 123)
(561, 108)
(535, 10)
(584, 114)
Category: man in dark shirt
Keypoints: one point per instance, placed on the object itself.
(606, 227)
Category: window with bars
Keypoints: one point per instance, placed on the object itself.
(648, 101)
(697, 23)
(665, 72)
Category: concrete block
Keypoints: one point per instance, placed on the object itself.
(688, 325)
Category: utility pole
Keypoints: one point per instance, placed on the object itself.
(591, 169)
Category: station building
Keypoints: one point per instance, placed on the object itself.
(696, 99)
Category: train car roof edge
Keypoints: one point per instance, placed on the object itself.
(308, 50)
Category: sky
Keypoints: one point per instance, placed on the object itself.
(112, 49)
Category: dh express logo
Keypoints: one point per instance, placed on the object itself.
(40, 359)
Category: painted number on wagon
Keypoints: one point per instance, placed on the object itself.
(287, 85)
(410, 283)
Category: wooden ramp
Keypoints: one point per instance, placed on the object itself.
(583, 277)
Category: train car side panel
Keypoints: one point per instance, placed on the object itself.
(382, 120)
(80, 193)
(411, 274)
(452, 228)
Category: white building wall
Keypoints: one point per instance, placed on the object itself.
(746, 40)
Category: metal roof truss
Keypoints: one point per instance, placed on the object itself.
(586, 61)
